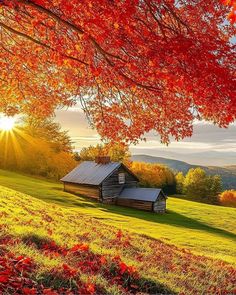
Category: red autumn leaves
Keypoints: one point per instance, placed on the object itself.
(135, 66)
(20, 273)
(232, 14)
(17, 274)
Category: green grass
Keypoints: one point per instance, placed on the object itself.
(35, 210)
(204, 229)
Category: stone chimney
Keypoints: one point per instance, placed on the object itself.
(102, 160)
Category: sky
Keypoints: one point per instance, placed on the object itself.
(209, 145)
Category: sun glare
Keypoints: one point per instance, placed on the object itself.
(7, 123)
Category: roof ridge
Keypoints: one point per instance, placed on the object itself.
(101, 163)
(90, 172)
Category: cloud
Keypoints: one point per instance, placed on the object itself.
(74, 121)
(206, 137)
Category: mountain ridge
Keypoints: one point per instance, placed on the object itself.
(227, 173)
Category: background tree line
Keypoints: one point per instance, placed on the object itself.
(40, 147)
(198, 185)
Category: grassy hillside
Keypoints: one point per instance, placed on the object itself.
(69, 239)
(197, 226)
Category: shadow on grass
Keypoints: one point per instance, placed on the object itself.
(57, 280)
(147, 286)
(169, 218)
(37, 241)
(51, 193)
(57, 188)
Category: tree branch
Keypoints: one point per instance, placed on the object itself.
(74, 27)
(52, 14)
(39, 42)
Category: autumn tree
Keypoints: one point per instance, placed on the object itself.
(116, 151)
(228, 198)
(154, 175)
(91, 152)
(39, 148)
(50, 131)
(179, 179)
(195, 184)
(134, 66)
(199, 185)
(215, 186)
(39, 158)
(232, 14)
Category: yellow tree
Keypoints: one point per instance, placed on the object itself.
(179, 178)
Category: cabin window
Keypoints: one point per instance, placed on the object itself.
(121, 178)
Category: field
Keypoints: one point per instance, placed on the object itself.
(70, 242)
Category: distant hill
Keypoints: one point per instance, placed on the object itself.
(227, 173)
(232, 168)
(173, 164)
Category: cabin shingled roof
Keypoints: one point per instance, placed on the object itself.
(141, 194)
(89, 172)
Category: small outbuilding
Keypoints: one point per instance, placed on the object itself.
(149, 199)
(113, 182)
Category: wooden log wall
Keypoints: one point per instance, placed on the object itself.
(111, 186)
(83, 190)
(111, 201)
(142, 205)
(160, 206)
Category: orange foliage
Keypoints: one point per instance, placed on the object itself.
(153, 175)
(232, 14)
(29, 151)
(116, 151)
(136, 66)
(228, 198)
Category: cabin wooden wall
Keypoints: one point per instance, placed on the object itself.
(111, 186)
(160, 205)
(110, 201)
(142, 205)
(84, 190)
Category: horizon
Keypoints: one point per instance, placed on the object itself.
(208, 146)
(83, 213)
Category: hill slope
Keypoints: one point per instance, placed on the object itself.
(205, 224)
(173, 164)
(228, 173)
(76, 245)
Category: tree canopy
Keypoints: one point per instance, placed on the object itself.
(133, 65)
(154, 175)
(37, 147)
(116, 151)
(199, 185)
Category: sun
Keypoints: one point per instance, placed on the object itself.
(7, 123)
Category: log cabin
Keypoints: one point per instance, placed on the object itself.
(113, 183)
